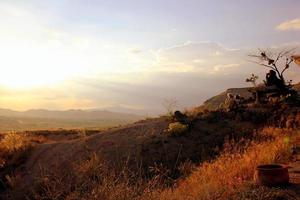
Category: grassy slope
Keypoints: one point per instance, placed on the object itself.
(230, 176)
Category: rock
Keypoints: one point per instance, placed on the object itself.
(180, 117)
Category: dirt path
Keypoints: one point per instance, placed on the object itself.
(294, 170)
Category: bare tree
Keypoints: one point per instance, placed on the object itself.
(170, 105)
(273, 61)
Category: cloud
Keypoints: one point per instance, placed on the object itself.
(224, 68)
(135, 50)
(289, 25)
(198, 57)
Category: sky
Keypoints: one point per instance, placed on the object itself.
(132, 55)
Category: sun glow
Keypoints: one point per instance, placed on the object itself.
(32, 54)
(24, 67)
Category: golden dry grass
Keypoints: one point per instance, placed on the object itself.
(226, 176)
(13, 141)
(11, 146)
(14, 149)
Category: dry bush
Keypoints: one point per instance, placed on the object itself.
(14, 148)
(223, 177)
(14, 141)
(176, 129)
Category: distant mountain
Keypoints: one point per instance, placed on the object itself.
(38, 119)
(69, 114)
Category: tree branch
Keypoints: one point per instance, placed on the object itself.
(262, 64)
(287, 65)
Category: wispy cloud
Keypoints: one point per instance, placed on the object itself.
(134, 50)
(224, 68)
(289, 25)
(198, 57)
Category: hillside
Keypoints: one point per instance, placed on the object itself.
(214, 102)
(144, 149)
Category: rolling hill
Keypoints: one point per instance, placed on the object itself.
(11, 120)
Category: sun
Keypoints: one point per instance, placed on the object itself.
(15, 77)
(17, 74)
(27, 67)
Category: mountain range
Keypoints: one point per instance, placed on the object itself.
(37, 119)
(68, 114)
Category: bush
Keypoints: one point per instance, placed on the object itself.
(14, 149)
(14, 142)
(176, 129)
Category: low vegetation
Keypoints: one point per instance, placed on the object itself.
(14, 149)
(176, 129)
(229, 176)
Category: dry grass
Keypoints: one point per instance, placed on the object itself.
(14, 150)
(90, 179)
(225, 176)
(250, 192)
(12, 146)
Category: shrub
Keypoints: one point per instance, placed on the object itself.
(14, 142)
(176, 129)
(14, 149)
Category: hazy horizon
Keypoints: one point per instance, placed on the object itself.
(130, 55)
